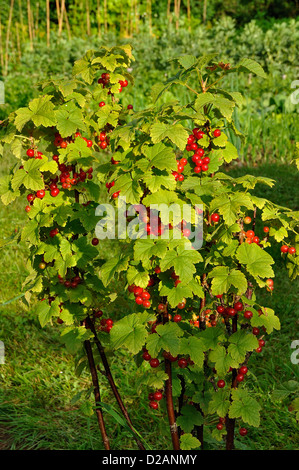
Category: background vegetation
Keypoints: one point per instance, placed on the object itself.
(39, 39)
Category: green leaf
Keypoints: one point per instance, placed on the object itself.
(223, 361)
(69, 121)
(187, 61)
(129, 188)
(130, 332)
(111, 267)
(256, 260)
(250, 65)
(268, 319)
(229, 205)
(220, 402)
(7, 194)
(223, 279)
(73, 337)
(30, 232)
(189, 418)
(188, 442)
(29, 176)
(195, 348)
(183, 263)
(45, 311)
(176, 133)
(166, 338)
(40, 111)
(241, 343)
(245, 407)
(175, 294)
(159, 156)
(211, 337)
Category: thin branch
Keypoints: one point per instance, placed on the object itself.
(97, 395)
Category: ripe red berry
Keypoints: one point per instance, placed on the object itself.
(215, 217)
(255, 331)
(154, 362)
(292, 250)
(101, 104)
(30, 153)
(243, 370)
(95, 241)
(231, 311)
(266, 229)
(130, 106)
(40, 194)
(259, 349)
(154, 405)
(177, 318)
(30, 197)
(157, 270)
(182, 363)
(240, 378)
(220, 309)
(284, 248)
(243, 431)
(27, 209)
(53, 232)
(181, 178)
(204, 167)
(248, 314)
(261, 343)
(238, 306)
(146, 303)
(219, 426)
(103, 145)
(139, 300)
(158, 396)
(145, 295)
(98, 314)
(54, 192)
(221, 383)
(146, 356)
(217, 132)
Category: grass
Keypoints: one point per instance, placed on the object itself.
(38, 381)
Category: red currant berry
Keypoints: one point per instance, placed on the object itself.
(221, 383)
(154, 362)
(248, 314)
(182, 363)
(215, 217)
(243, 431)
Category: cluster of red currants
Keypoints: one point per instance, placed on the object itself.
(232, 311)
(142, 296)
(70, 283)
(106, 325)
(178, 175)
(154, 399)
(34, 153)
(288, 249)
(103, 140)
(109, 186)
